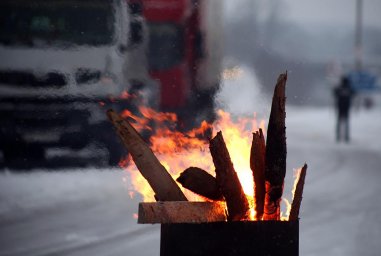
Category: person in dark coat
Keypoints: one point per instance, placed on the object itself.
(343, 100)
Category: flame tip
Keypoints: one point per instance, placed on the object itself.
(168, 144)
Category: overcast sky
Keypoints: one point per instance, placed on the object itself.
(338, 12)
(314, 12)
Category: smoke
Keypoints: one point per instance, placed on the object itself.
(241, 92)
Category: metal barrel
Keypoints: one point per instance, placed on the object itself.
(230, 238)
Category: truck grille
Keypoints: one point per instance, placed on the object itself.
(87, 76)
(28, 79)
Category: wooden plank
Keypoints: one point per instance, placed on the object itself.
(181, 212)
(298, 194)
(162, 183)
(200, 182)
(276, 151)
(257, 165)
(227, 180)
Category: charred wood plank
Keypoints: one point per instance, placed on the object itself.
(298, 194)
(276, 151)
(181, 212)
(162, 183)
(200, 182)
(257, 165)
(227, 180)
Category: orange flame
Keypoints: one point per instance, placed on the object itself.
(177, 151)
(125, 95)
(131, 194)
(284, 215)
(296, 175)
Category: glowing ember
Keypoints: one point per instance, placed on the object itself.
(131, 194)
(126, 95)
(232, 73)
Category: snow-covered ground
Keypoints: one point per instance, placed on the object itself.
(71, 213)
(340, 207)
(89, 212)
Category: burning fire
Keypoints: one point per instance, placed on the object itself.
(178, 151)
(286, 214)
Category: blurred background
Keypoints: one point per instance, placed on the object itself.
(65, 62)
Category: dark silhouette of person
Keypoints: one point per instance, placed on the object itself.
(343, 100)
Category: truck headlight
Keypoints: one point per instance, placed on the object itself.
(87, 76)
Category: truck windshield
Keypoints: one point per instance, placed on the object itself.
(56, 22)
(166, 45)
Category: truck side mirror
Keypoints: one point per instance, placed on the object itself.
(122, 48)
(135, 7)
(199, 45)
(136, 32)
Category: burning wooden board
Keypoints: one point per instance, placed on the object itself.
(181, 212)
(154, 172)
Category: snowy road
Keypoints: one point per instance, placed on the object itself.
(90, 213)
(72, 213)
(341, 202)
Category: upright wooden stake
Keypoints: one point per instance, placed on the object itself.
(160, 180)
(298, 195)
(257, 165)
(276, 152)
(228, 181)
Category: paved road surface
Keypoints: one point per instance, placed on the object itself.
(90, 213)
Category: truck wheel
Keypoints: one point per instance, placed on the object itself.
(201, 107)
(24, 156)
(104, 134)
(75, 140)
(115, 156)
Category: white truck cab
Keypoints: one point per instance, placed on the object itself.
(59, 61)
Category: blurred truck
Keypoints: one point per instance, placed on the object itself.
(184, 55)
(63, 62)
